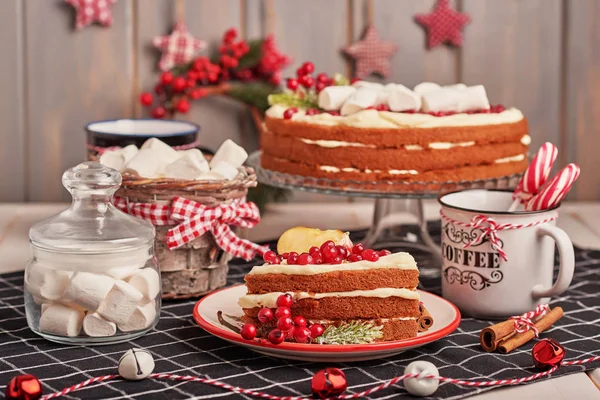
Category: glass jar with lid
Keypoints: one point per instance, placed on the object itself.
(93, 277)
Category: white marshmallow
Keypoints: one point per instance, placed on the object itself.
(124, 272)
(473, 98)
(231, 153)
(61, 320)
(225, 169)
(426, 87)
(113, 159)
(442, 100)
(333, 97)
(146, 163)
(361, 99)
(456, 86)
(142, 317)
(368, 85)
(401, 98)
(210, 176)
(88, 289)
(120, 302)
(188, 166)
(136, 364)
(46, 283)
(45, 306)
(147, 282)
(96, 326)
(166, 153)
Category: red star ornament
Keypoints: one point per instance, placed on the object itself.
(443, 25)
(90, 11)
(178, 48)
(371, 54)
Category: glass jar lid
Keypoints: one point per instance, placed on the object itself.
(92, 225)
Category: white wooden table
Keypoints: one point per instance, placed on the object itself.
(580, 220)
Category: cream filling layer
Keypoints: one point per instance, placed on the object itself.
(329, 168)
(516, 158)
(270, 299)
(386, 119)
(396, 260)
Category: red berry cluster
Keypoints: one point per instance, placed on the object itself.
(328, 253)
(305, 79)
(175, 92)
(286, 327)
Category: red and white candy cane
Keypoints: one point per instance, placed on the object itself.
(535, 175)
(555, 190)
(524, 322)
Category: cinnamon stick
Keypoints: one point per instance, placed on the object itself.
(491, 336)
(425, 320)
(519, 339)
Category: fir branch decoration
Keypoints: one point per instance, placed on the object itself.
(253, 94)
(340, 80)
(290, 99)
(353, 332)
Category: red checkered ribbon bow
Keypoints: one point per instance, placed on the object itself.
(524, 322)
(194, 219)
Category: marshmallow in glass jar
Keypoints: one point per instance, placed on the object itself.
(93, 277)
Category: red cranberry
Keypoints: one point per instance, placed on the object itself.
(305, 259)
(329, 253)
(292, 83)
(166, 78)
(276, 336)
(358, 248)
(320, 86)
(307, 81)
(313, 250)
(316, 330)
(312, 111)
(336, 260)
(334, 113)
(384, 253)
(322, 77)
(299, 320)
(248, 331)
(342, 251)
(317, 258)
(284, 323)
(270, 257)
(355, 258)
(146, 99)
(285, 255)
(302, 335)
(290, 333)
(370, 255)
(300, 72)
(179, 84)
(283, 312)
(289, 113)
(354, 80)
(265, 315)
(382, 107)
(284, 300)
(292, 259)
(308, 67)
(327, 244)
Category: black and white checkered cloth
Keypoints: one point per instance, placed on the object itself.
(180, 346)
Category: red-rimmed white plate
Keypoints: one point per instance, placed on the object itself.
(446, 318)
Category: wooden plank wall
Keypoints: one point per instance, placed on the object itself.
(539, 55)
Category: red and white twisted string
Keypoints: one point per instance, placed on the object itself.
(490, 228)
(393, 381)
(100, 149)
(524, 322)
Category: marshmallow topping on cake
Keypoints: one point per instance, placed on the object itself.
(370, 132)
(367, 285)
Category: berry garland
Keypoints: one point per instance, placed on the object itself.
(246, 70)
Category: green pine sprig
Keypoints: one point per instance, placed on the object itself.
(291, 99)
(353, 332)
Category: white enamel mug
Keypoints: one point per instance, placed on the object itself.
(476, 231)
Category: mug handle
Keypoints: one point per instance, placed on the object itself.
(567, 262)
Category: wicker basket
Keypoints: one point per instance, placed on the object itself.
(199, 266)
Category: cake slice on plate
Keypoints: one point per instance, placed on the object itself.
(336, 283)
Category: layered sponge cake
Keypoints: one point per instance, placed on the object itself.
(366, 285)
(370, 132)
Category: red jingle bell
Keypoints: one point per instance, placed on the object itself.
(328, 382)
(547, 353)
(23, 387)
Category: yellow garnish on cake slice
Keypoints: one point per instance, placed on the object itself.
(300, 239)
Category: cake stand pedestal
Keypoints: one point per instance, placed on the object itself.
(381, 234)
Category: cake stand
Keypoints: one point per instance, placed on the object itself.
(384, 193)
